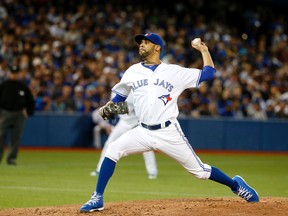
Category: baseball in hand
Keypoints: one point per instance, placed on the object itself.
(196, 41)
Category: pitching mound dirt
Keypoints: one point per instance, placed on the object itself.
(170, 207)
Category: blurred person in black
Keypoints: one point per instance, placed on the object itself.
(16, 104)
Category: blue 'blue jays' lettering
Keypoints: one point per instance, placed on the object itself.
(139, 83)
(164, 84)
(144, 82)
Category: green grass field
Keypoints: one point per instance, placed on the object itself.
(54, 178)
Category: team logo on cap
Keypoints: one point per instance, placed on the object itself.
(148, 34)
(165, 98)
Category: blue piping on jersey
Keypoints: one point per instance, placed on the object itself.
(190, 147)
(151, 67)
(118, 98)
(199, 77)
(120, 95)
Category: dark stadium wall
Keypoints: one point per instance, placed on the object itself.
(64, 130)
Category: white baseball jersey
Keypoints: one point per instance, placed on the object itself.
(155, 93)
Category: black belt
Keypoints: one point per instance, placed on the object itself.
(157, 126)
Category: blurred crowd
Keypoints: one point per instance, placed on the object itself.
(71, 53)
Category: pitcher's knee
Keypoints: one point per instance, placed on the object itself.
(202, 175)
(202, 172)
(114, 153)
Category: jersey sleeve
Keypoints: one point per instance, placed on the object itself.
(123, 88)
(190, 77)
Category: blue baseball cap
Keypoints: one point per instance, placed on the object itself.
(152, 37)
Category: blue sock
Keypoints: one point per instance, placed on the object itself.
(220, 177)
(106, 171)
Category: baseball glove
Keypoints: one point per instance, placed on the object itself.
(109, 110)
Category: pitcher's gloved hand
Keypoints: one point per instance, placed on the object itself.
(111, 109)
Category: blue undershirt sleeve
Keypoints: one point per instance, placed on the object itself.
(118, 98)
(208, 73)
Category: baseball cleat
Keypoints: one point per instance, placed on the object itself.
(94, 204)
(94, 173)
(151, 177)
(245, 191)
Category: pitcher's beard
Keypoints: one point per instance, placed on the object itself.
(143, 54)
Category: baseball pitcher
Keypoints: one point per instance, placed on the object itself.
(155, 87)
